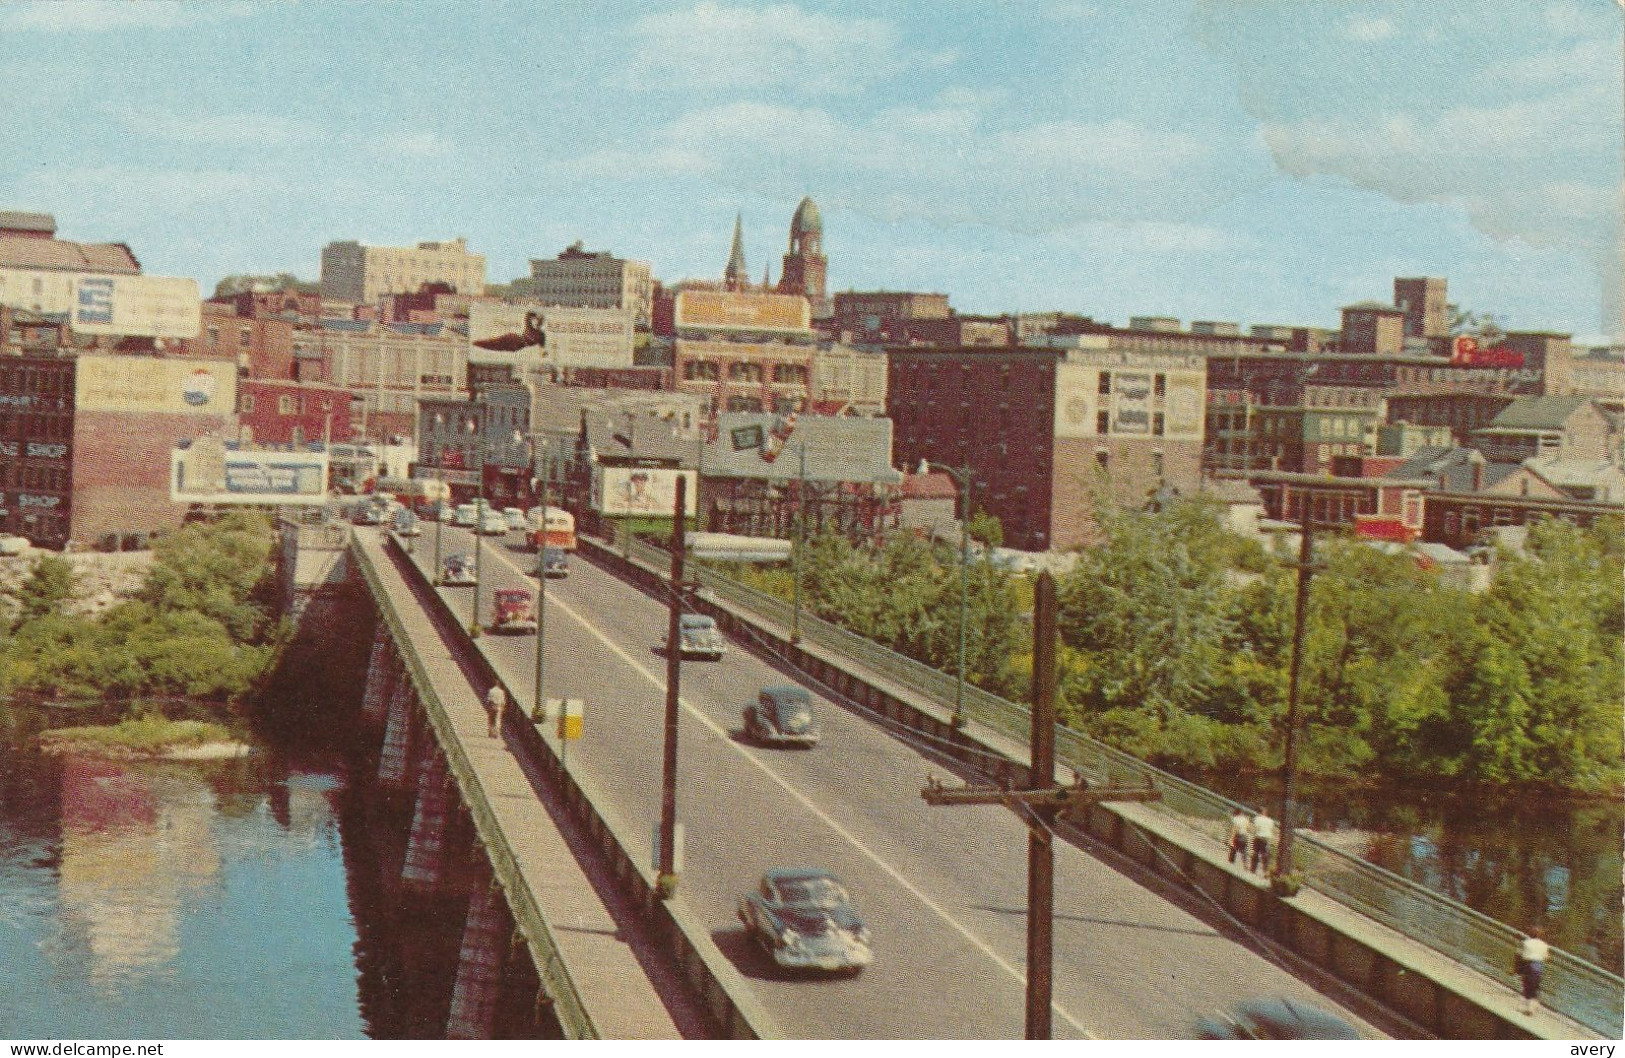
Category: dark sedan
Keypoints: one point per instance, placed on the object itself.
(805, 920)
(555, 563)
(782, 716)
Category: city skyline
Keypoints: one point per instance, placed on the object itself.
(1257, 162)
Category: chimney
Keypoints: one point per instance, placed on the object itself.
(1478, 472)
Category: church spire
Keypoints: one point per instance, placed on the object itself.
(736, 277)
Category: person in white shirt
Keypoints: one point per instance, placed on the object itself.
(1263, 832)
(1241, 835)
(1532, 956)
(495, 702)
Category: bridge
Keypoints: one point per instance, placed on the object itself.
(1153, 930)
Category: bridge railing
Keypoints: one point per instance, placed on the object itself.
(527, 915)
(1573, 986)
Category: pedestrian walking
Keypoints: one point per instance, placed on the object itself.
(1241, 835)
(1531, 966)
(495, 702)
(1263, 833)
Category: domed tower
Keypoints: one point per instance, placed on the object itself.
(805, 267)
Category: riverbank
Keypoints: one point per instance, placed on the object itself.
(147, 738)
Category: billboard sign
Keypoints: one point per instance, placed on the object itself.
(1466, 352)
(621, 492)
(208, 472)
(156, 384)
(143, 306)
(1132, 390)
(568, 337)
(723, 310)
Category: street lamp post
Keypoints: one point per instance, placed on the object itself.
(538, 712)
(479, 526)
(1289, 762)
(666, 873)
(439, 520)
(801, 533)
(962, 477)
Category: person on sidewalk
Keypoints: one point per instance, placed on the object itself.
(1532, 956)
(495, 702)
(1263, 833)
(1241, 835)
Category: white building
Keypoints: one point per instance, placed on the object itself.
(362, 274)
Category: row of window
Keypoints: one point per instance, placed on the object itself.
(47, 478)
(744, 371)
(36, 427)
(43, 381)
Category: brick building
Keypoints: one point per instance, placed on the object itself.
(744, 352)
(1049, 433)
(291, 413)
(591, 279)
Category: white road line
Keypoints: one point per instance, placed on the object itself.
(806, 802)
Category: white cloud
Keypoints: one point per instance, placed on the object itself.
(229, 130)
(945, 162)
(100, 16)
(715, 46)
(1368, 30)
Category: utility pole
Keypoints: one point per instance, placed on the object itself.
(1289, 763)
(801, 538)
(538, 711)
(666, 876)
(1041, 804)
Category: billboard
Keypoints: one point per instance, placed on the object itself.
(722, 310)
(1131, 391)
(619, 492)
(568, 337)
(145, 306)
(156, 384)
(1466, 352)
(208, 472)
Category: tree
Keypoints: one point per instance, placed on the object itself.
(244, 283)
(1482, 326)
(986, 529)
(49, 585)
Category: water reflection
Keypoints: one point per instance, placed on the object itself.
(202, 899)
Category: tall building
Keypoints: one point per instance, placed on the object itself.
(744, 351)
(591, 279)
(363, 274)
(805, 266)
(1423, 300)
(1371, 327)
(735, 277)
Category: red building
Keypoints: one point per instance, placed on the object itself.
(291, 413)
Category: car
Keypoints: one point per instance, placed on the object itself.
(514, 610)
(406, 523)
(805, 920)
(698, 637)
(492, 523)
(555, 563)
(514, 517)
(369, 514)
(1275, 1018)
(467, 515)
(457, 569)
(446, 515)
(782, 716)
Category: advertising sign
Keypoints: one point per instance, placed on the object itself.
(1075, 388)
(144, 306)
(208, 472)
(569, 337)
(1466, 352)
(723, 310)
(155, 384)
(1132, 395)
(1184, 407)
(619, 492)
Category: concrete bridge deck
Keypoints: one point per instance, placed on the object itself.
(625, 983)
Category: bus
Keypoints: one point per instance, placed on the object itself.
(554, 528)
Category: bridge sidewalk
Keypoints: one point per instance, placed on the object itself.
(607, 957)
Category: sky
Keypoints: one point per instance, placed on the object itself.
(1257, 161)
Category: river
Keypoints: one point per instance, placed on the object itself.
(239, 899)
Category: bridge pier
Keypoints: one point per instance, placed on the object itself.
(394, 758)
(426, 848)
(374, 698)
(480, 965)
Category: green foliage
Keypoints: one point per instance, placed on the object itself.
(147, 733)
(242, 284)
(49, 585)
(986, 529)
(201, 626)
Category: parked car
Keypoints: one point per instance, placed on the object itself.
(406, 523)
(457, 569)
(514, 517)
(782, 716)
(555, 563)
(492, 523)
(1275, 1018)
(698, 637)
(467, 515)
(514, 610)
(805, 920)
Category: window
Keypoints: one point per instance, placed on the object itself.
(245, 337)
(1103, 460)
(214, 337)
(1103, 422)
(1105, 382)
(285, 405)
(792, 373)
(248, 403)
(701, 370)
(1156, 464)
(740, 371)
(737, 404)
(1160, 385)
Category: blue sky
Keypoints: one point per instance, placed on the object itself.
(1265, 161)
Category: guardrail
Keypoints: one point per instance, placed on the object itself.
(550, 967)
(1588, 993)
